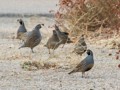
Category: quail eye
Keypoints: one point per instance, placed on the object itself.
(20, 22)
(88, 52)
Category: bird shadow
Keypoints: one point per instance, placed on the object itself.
(87, 77)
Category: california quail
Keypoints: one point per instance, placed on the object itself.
(52, 41)
(80, 46)
(21, 29)
(33, 38)
(63, 36)
(85, 65)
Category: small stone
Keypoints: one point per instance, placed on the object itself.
(109, 54)
(119, 65)
(117, 57)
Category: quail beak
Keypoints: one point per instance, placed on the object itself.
(42, 24)
(18, 20)
(45, 45)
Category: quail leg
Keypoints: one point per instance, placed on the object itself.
(49, 51)
(53, 51)
(32, 50)
(83, 74)
(63, 45)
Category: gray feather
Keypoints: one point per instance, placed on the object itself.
(32, 38)
(86, 64)
(63, 36)
(21, 30)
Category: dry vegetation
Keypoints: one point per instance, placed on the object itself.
(36, 65)
(82, 16)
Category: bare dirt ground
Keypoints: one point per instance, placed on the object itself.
(105, 74)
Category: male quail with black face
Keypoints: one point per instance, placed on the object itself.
(21, 30)
(85, 65)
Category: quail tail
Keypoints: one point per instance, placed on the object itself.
(71, 72)
(21, 47)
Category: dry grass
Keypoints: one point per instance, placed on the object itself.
(35, 65)
(81, 16)
(111, 43)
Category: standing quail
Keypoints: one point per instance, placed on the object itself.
(21, 29)
(63, 36)
(52, 42)
(80, 46)
(33, 38)
(85, 65)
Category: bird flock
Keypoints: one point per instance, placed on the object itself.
(33, 38)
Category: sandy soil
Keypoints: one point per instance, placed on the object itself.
(105, 74)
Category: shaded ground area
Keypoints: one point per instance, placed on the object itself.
(105, 74)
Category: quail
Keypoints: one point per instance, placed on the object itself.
(52, 42)
(21, 30)
(80, 46)
(63, 36)
(85, 65)
(33, 38)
